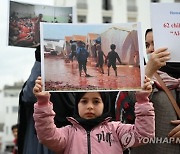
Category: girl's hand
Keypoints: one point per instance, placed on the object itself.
(147, 85)
(37, 90)
(142, 96)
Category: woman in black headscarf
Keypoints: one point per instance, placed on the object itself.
(167, 122)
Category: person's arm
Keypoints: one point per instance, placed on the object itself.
(118, 58)
(48, 134)
(27, 91)
(28, 95)
(144, 127)
(104, 55)
(158, 59)
(107, 58)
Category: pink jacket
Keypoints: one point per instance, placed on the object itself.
(106, 138)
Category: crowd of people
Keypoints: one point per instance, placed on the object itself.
(96, 122)
(81, 54)
(44, 126)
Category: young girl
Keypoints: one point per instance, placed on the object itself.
(91, 130)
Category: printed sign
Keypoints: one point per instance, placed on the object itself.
(166, 27)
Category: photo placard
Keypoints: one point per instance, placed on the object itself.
(24, 21)
(84, 57)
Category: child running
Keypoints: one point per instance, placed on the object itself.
(92, 130)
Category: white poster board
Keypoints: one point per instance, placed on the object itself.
(165, 19)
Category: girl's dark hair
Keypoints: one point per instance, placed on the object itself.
(147, 31)
(88, 124)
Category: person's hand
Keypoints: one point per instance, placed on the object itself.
(176, 131)
(37, 90)
(157, 60)
(147, 85)
(142, 96)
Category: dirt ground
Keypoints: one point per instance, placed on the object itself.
(61, 75)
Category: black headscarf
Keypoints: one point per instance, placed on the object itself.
(88, 124)
(172, 69)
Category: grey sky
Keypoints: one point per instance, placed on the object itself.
(15, 62)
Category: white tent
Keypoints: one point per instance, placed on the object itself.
(126, 42)
(130, 48)
(115, 36)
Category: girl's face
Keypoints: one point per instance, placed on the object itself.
(149, 42)
(90, 105)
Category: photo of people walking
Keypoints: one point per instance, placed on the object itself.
(84, 58)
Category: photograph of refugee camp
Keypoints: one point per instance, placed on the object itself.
(24, 21)
(88, 57)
